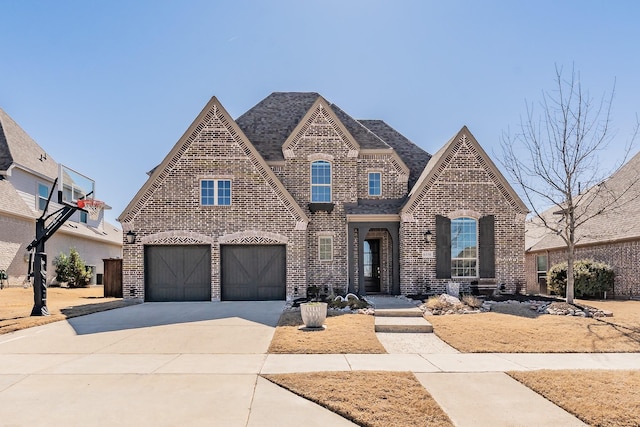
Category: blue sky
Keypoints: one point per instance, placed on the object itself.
(108, 87)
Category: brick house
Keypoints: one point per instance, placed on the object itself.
(27, 174)
(296, 192)
(612, 238)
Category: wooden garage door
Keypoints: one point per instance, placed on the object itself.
(177, 273)
(253, 272)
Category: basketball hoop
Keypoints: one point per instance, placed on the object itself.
(93, 207)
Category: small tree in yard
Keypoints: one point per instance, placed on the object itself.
(72, 269)
(553, 155)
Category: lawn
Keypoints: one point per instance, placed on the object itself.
(345, 333)
(599, 398)
(376, 399)
(519, 330)
(63, 303)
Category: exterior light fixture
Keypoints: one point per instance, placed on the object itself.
(131, 237)
(428, 236)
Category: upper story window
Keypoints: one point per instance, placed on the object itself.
(464, 247)
(215, 192)
(321, 181)
(43, 195)
(375, 183)
(83, 217)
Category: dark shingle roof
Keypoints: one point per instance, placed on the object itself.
(269, 123)
(413, 156)
(364, 136)
(379, 207)
(18, 147)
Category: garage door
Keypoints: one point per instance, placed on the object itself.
(177, 273)
(253, 272)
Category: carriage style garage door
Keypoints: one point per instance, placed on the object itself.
(177, 273)
(253, 272)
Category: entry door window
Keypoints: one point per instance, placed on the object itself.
(371, 258)
(371, 265)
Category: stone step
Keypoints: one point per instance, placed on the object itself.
(398, 312)
(402, 324)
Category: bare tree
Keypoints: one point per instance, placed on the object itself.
(555, 155)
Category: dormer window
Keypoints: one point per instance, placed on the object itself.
(320, 181)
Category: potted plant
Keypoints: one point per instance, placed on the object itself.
(313, 313)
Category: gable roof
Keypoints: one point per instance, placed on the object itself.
(412, 155)
(213, 109)
(18, 149)
(12, 203)
(274, 120)
(441, 159)
(618, 223)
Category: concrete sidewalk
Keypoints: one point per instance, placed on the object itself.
(199, 363)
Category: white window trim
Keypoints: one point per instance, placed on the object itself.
(39, 197)
(477, 251)
(215, 180)
(320, 238)
(369, 182)
(330, 185)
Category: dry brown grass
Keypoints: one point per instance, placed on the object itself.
(368, 398)
(63, 303)
(521, 331)
(599, 398)
(345, 333)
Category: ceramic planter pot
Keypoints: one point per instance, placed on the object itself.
(313, 314)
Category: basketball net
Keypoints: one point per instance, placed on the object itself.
(93, 207)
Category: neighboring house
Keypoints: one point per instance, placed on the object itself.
(27, 173)
(612, 237)
(296, 192)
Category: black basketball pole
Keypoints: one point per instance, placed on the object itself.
(43, 233)
(40, 273)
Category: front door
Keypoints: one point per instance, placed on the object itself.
(371, 265)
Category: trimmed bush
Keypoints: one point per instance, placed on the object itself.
(591, 278)
(72, 269)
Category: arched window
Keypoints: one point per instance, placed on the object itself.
(321, 181)
(464, 247)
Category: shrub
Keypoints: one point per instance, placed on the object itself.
(72, 269)
(591, 278)
(436, 303)
(472, 301)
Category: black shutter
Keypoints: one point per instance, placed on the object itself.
(487, 247)
(443, 247)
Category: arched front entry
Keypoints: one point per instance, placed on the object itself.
(374, 257)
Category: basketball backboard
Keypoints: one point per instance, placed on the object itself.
(73, 185)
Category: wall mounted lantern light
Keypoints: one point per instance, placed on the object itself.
(131, 237)
(428, 236)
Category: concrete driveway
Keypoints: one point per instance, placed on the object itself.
(160, 364)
